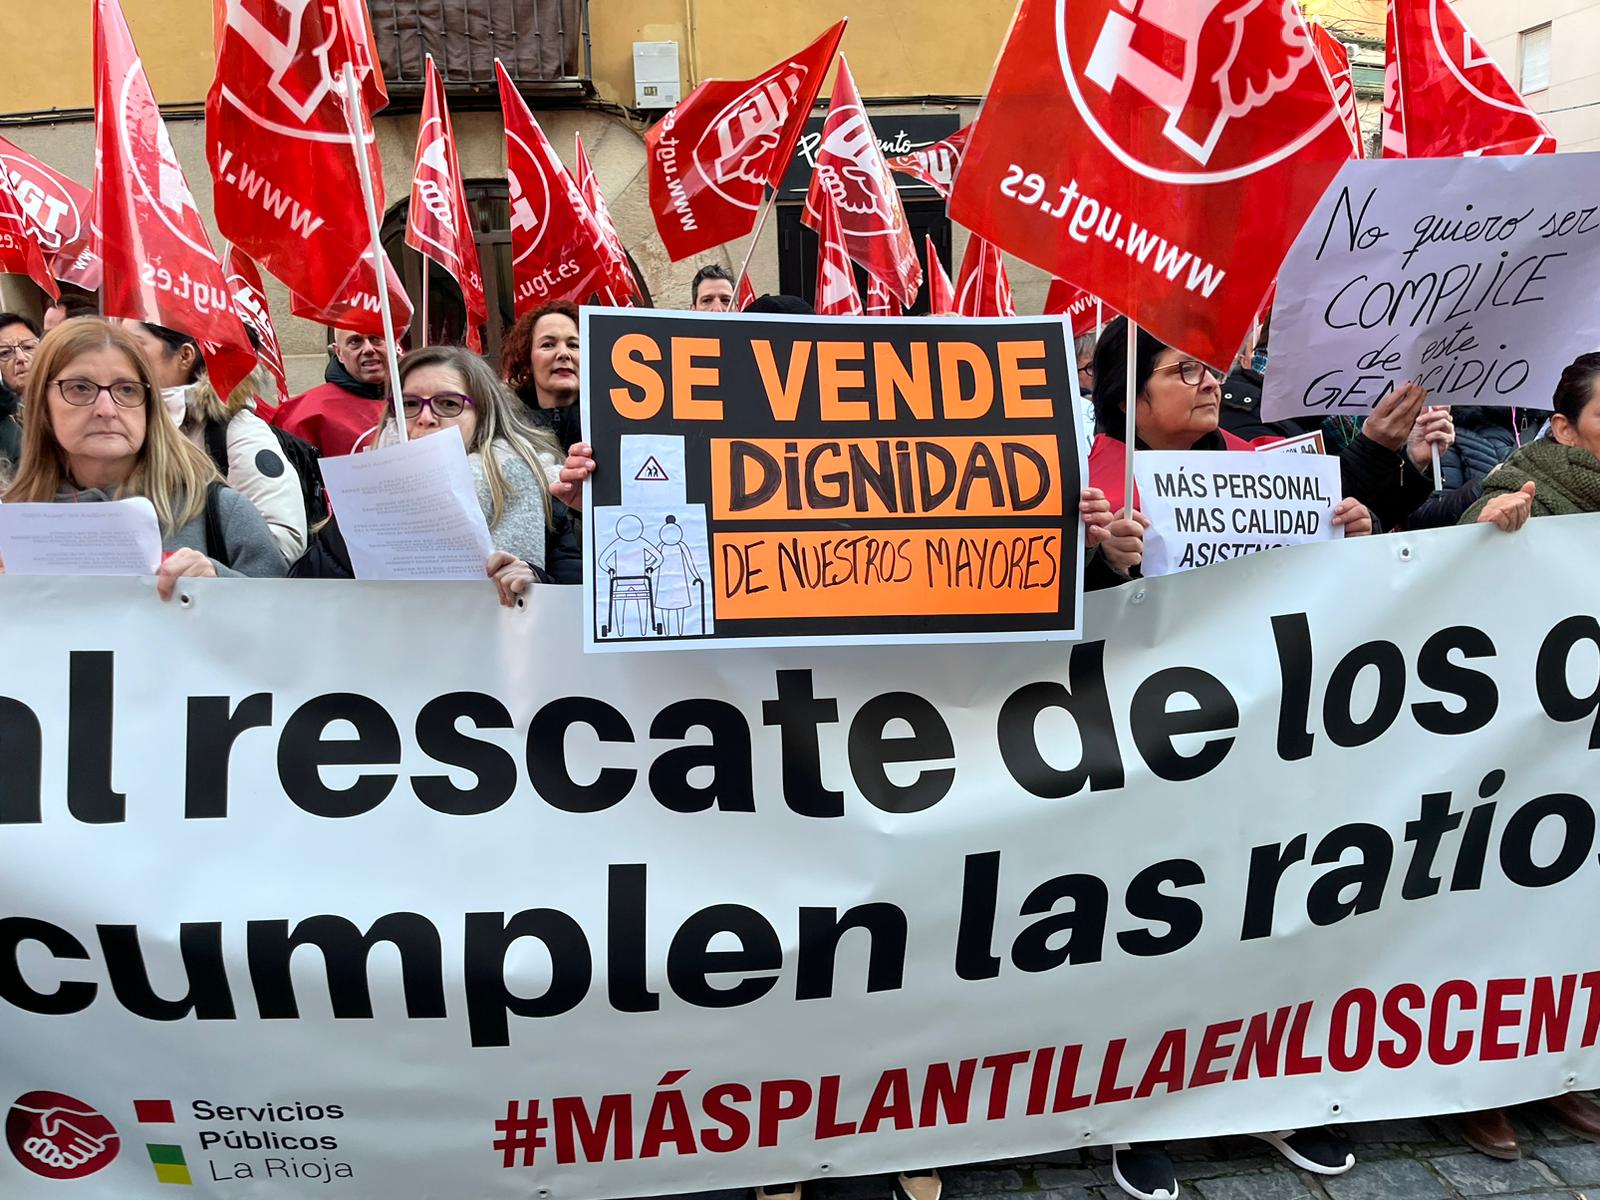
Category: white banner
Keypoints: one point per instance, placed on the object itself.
(1210, 507)
(387, 890)
(1471, 276)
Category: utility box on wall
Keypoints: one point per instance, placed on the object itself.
(655, 74)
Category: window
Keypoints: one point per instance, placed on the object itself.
(1534, 58)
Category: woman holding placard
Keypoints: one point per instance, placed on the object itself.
(1179, 403)
(97, 430)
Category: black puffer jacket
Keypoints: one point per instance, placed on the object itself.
(10, 431)
(1485, 438)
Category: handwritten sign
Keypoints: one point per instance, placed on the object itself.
(1472, 276)
(1213, 506)
(770, 480)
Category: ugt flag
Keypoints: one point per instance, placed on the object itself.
(1188, 141)
(159, 264)
(278, 140)
(712, 157)
(1444, 96)
(438, 222)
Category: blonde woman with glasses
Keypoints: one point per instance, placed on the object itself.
(96, 430)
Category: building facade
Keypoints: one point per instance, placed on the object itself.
(1547, 50)
(920, 67)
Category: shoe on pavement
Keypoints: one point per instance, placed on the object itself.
(1489, 1132)
(918, 1185)
(1576, 1112)
(780, 1191)
(1144, 1171)
(1317, 1149)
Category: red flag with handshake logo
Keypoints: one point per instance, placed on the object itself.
(622, 289)
(712, 157)
(159, 264)
(20, 253)
(438, 223)
(59, 209)
(278, 141)
(557, 249)
(1444, 96)
(250, 301)
(935, 165)
(852, 172)
(1188, 142)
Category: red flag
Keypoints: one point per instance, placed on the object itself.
(278, 140)
(1394, 117)
(357, 306)
(712, 157)
(851, 169)
(1335, 60)
(159, 264)
(836, 278)
(623, 289)
(935, 165)
(982, 290)
(881, 302)
(438, 222)
(1069, 300)
(747, 294)
(556, 246)
(941, 292)
(59, 210)
(250, 302)
(1444, 96)
(20, 252)
(1188, 143)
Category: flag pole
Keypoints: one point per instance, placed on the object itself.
(1129, 433)
(1438, 478)
(1099, 319)
(352, 111)
(426, 272)
(766, 210)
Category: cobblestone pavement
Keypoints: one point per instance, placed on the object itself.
(1396, 1160)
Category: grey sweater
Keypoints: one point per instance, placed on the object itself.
(521, 530)
(251, 550)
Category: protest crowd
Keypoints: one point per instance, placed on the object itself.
(115, 395)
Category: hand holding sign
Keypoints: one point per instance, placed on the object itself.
(1396, 416)
(574, 474)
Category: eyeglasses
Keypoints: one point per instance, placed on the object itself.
(25, 349)
(442, 404)
(124, 393)
(1191, 370)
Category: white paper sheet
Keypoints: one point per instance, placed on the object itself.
(115, 537)
(1210, 506)
(410, 512)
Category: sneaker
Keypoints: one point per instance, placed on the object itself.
(1145, 1171)
(780, 1191)
(918, 1185)
(1318, 1149)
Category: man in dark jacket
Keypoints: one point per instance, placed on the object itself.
(334, 416)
